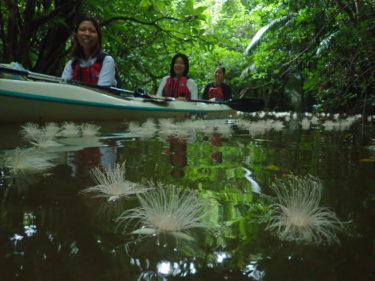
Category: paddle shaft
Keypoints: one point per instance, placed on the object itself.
(50, 78)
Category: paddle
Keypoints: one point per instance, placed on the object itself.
(50, 78)
(29, 74)
(245, 105)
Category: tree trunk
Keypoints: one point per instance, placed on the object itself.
(35, 32)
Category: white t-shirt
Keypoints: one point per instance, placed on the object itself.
(106, 75)
(190, 83)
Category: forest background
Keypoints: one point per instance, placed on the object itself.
(296, 55)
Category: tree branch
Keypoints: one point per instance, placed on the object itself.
(150, 23)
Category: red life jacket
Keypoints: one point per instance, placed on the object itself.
(86, 74)
(215, 93)
(176, 88)
(90, 74)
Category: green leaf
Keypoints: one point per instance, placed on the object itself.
(145, 3)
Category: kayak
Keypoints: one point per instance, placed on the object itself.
(40, 101)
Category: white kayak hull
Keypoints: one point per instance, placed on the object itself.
(37, 101)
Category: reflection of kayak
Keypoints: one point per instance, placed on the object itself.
(33, 101)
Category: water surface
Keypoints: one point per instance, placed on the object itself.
(49, 231)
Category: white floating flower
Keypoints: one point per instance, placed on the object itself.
(224, 130)
(133, 126)
(305, 123)
(262, 114)
(28, 161)
(43, 141)
(259, 127)
(276, 125)
(149, 124)
(30, 130)
(143, 131)
(314, 120)
(295, 214)
(70, 129)
(51, 130)
(330, 125)
(111, 183)
(193, 125)
(167, 124)
(89, 130)
(167, 210)
(243, 124)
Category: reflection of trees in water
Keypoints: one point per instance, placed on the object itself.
(211, 162)
(215, 139)
(178, 152)
(76, 234)
(158, 257)
(82, 161)
(106, 212)
(164, 256)
(177, 156)
(54, 236)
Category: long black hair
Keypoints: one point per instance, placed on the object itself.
(77, 51)
(186, 62)
(220, 66)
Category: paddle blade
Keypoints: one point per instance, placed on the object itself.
(247, 105)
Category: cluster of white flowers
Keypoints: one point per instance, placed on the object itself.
(266, 121)
(167, 128)
(47, 135)
(163, 209)
(294, 214)
(40, 158)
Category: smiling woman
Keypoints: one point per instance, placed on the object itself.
(87, 37)
(89, 63)
(178, 85)
(218, 90)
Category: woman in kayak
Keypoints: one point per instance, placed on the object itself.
(89, 64)
(178, 85)
(218, 90)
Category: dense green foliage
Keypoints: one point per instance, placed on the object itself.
(294, 54)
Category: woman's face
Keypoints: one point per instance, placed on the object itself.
(179, 67)
(87, 35)
(219, 75)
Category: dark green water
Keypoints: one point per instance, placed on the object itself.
(48, 231)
